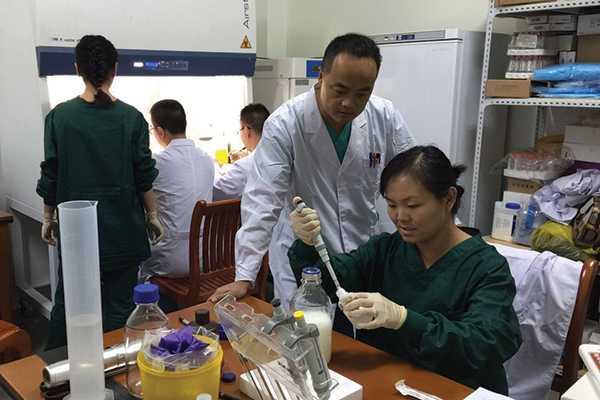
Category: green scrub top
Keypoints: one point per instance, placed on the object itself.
(340, 140)
(460, 321)
(103, 154)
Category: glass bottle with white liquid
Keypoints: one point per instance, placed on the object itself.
(316, 305)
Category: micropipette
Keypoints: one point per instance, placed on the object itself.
(322, 250)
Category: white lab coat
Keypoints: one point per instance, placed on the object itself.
(231, 179)
(296, 156)
(185, 176)
(547, 288)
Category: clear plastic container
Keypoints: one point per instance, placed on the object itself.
(83, 309)
(505, 215)
(146, 316)
(528, 219)
(316, 305)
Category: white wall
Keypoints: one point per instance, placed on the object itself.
(272, 28)
(21, 122)
(21, 139)
(304, 27)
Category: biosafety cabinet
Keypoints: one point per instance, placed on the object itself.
(201, 53)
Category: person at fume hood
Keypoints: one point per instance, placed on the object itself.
(231, 179)
(327, 145)
(429, 292)
(186, 175)
(96, 147)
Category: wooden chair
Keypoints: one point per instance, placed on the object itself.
(218, 221)
(15, 343)
(570, 363)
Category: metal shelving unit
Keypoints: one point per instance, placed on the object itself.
(543, 102)
(555, 7)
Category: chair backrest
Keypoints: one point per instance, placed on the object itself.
(218, 222)
(570, 364)
(15, 343)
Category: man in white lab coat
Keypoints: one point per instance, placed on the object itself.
(328, 146)
(185, 176)
(231, 179)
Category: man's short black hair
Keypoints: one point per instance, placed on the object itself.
(254, 115)
(356, 45)
(169, 115)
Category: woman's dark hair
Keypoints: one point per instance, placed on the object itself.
(254, 115)
(96, 58)
(170, 115)
(430, 167)
(356, 45)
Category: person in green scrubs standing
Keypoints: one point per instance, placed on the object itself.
(96, 147)
(429, 293)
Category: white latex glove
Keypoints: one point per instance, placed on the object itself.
(50, 228)
(372, 311)
(306, 225)
(155, 229)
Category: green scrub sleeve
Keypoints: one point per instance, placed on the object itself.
(46, 185)
(353, 270)
(144, 169)
(485, 334)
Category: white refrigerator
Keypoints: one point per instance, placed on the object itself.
(434, 79)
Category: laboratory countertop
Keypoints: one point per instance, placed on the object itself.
(375, 370)
(491, 240)
(5, 217)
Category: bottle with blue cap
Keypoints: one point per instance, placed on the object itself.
(316, 305)
(147, 316)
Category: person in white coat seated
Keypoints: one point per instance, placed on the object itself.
(230, 179)
(329, 146)
(185, 176)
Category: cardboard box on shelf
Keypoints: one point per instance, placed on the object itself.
(562, 19)
(522, 185)
(588, 49)
(538, 40)
(567, 57)
(538, 19)
(550, 144)
(538, 28)
(512, 88)
(571, 27)
(566, 42)
(583, 135)
(581, 152)
(504, 3)
(588, 24)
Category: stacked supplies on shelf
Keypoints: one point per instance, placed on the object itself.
(548, 40)
(568, 81)
(528, 52)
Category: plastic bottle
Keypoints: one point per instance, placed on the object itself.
(505, 215)
(528, 219)
(317, 307)
(146, 316)
(202, 318)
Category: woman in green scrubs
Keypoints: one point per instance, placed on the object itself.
(429, 293)
(97, 148)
